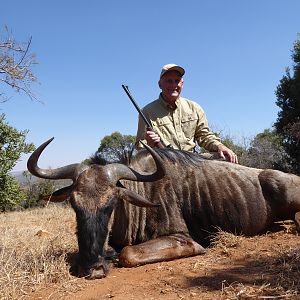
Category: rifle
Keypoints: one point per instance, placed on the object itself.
(149, 126)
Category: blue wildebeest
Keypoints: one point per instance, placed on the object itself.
(165, 203)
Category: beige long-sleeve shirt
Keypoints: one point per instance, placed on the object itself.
(181, 127)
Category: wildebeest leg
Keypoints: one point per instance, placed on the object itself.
(297, 221)
(160, 249)
(296, 204)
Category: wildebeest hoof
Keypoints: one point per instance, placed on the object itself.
(97, 273)
(97, 270)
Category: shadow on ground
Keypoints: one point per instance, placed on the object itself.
(276, 270)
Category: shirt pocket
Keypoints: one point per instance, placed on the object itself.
(163, 126)
(188, 125)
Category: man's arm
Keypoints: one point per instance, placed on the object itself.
(227, 154)
(147, 136)
(209, 141)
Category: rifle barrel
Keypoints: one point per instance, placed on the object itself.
(149, 126)
(126, 89)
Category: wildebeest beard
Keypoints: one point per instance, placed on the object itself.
(92, 235)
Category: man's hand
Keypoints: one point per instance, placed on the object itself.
(152, 138)
(227, 154)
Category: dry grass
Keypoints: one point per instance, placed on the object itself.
(238, 290)
(34, 248)
(226, 239)
(278, 264)
(37, 248)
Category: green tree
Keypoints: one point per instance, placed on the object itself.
(115, 148)
(266, 151)
(37, 190)
(288, 100)
(12, 145)
(16, 66)
(239, 150)
(228, 141)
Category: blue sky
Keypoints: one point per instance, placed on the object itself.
(235, 52)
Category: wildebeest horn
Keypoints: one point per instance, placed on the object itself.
(67, 172)
(117, 172)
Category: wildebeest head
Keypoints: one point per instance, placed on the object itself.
(93, 195)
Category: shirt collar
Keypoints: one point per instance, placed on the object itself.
(166, 104)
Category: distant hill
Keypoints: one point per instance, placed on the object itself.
(22, 179)
(19, 176)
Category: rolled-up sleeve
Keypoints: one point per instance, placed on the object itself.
(203, 136)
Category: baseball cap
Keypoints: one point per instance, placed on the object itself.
(171, 67)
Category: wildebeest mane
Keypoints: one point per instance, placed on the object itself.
(173, 155)
(180, 156)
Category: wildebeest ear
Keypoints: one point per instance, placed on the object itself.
(135, 198)
(61, 194)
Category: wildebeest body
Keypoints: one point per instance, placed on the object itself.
(194, 197)
(198, 199)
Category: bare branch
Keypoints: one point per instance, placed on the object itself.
(25, 52)
(16, 66)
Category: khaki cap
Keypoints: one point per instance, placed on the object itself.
(171, 67)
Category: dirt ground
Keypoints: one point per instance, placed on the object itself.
(260, 267)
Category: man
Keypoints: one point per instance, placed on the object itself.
(178, 122)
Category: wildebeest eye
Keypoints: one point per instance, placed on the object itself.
(119, 184)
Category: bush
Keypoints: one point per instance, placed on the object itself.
(37, 191)
(12, 145)
(11, 193)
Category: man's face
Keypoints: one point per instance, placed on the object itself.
(171, 85)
